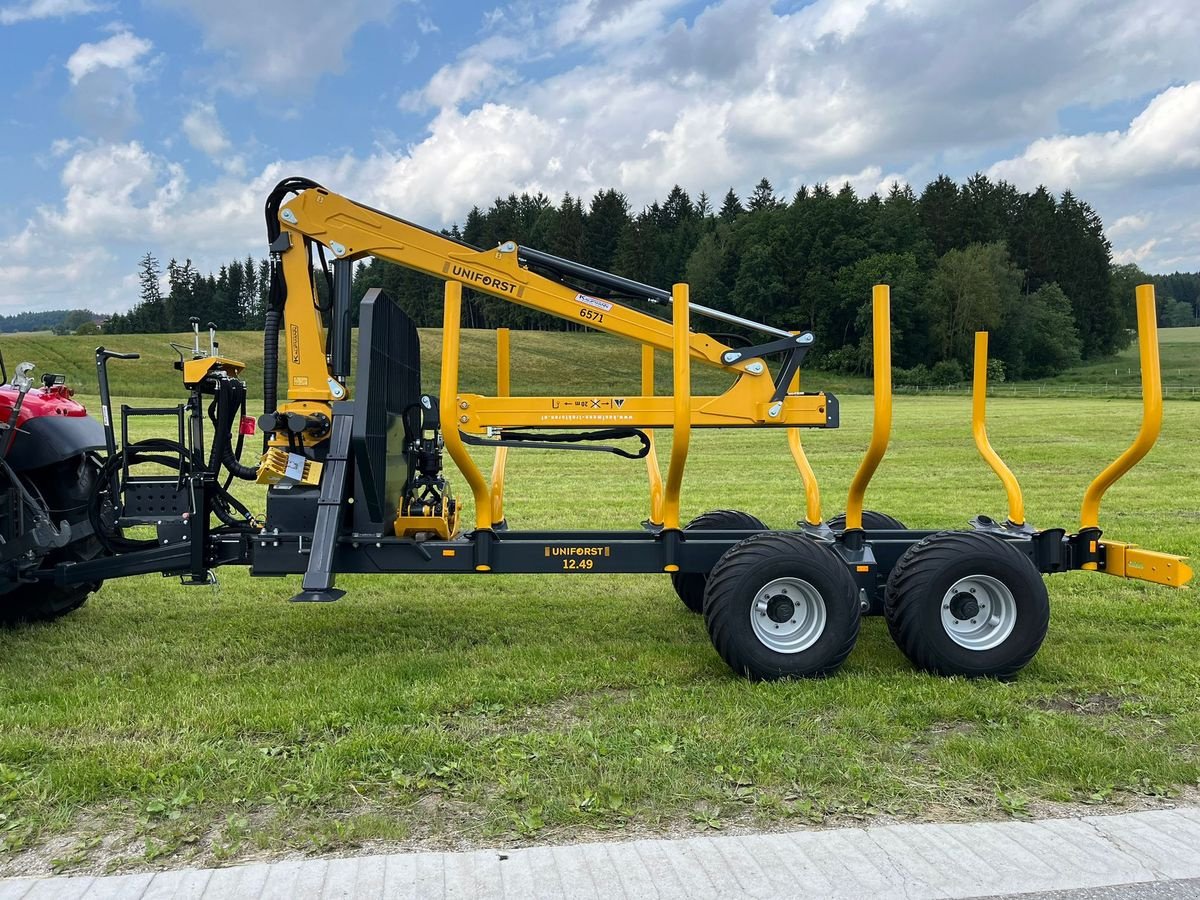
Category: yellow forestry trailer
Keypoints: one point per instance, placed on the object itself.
(353, 466)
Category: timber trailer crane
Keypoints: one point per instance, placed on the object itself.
(355, 480)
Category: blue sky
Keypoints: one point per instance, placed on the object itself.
(160, 125)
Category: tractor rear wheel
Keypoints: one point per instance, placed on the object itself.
(781, 605)
(967, 603)
(690, 585)
(66, 488)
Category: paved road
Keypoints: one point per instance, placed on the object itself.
(1187, 889)
(1140, 855)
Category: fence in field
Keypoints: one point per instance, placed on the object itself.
(1018, 389)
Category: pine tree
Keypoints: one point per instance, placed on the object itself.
(149, 278)
(606, 222)
(763, 197)
(731, 207)
(939, 213)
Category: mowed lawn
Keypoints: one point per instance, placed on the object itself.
(166, 725)
(1179, 353)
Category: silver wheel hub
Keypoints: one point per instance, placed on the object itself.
(788, 615)
(979, 612)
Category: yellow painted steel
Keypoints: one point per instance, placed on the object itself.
(731, 409)
(812, 491)
(881, 426)
(503, 389)
(1016, 502)
(354, 231)
(652, 469)
(1131, 561)
(682, 434)
(1152, 411)
(196, 370)
(441, 527)
(278, 466)
(303, 333)
(451, 323)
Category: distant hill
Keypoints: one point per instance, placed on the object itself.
(45, 320)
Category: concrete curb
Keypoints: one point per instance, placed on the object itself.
(913, 861)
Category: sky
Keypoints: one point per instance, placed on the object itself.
(160, 125)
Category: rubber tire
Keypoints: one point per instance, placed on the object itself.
(740, 574)
(690, 585)
(872, 521)
(912, 604)
(66, 488)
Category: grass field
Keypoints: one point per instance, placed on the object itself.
(1179, 353)
(547, 362)
(543, 362)
(163, 725)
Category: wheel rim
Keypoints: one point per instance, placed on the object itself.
(788, 615)
(979, 612)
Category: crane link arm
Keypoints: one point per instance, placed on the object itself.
(353, 231)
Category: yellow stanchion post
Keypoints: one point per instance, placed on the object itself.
(881, 426)
(812, 491)
(1152, 411)
(652, 470)
(451, 329)
(682, 427)
(503, 388)
(1012, 488)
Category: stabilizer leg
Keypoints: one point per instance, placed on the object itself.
(318, 578)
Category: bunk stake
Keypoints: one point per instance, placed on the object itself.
(881, 425)
(1016, 503)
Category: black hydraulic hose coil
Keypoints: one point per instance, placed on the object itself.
(270, 364)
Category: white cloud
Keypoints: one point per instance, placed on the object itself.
(48, 9)
(1163, 141)
(202, 128)
(453, 85)
(122, 50)
(1135, 255)
(607, 22)
(870, 180)
(1126, 224)
(103, 75)
(643, 98)
(282, 46)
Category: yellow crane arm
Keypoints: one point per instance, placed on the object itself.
(352, 232)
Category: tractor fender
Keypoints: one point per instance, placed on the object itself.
(47, 440)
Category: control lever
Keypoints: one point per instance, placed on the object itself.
(102, 358)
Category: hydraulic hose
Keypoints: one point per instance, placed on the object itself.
(277, 292)
(227, 406)
(270, 364)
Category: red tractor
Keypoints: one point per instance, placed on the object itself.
(49, 476)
